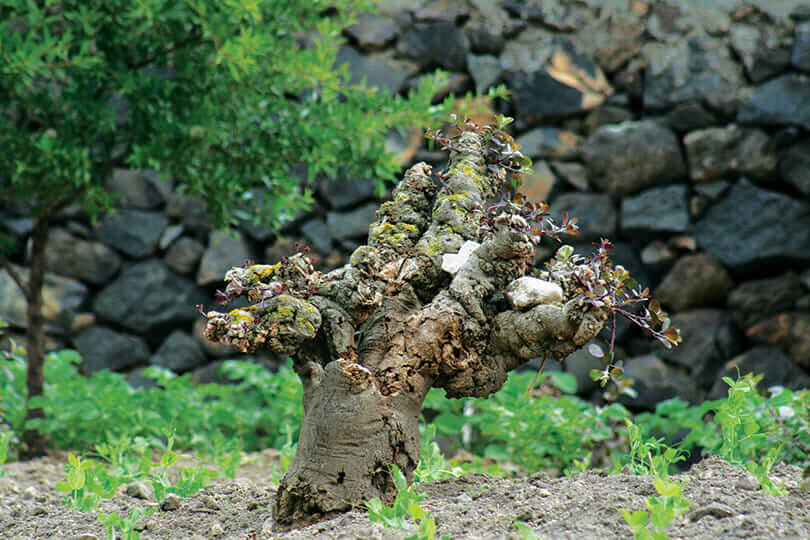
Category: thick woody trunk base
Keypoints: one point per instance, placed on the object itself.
(350, 436)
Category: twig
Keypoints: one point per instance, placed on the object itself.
(16, 276)
(539, 371)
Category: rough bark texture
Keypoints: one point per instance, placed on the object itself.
(370, 339)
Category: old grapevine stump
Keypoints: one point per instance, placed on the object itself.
(369, 340)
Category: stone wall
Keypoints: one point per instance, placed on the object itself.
(678, 131)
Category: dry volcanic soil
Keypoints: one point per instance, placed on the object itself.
(726, 502)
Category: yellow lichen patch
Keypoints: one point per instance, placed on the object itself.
(306, 327)
(361, 255)
(240, 315)
(264, 271)
(392, 233)
(431, 248)
(283, 312)
(449, 228)
(457, 197)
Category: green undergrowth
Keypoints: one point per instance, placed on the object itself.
(259, 410)
(119, 435)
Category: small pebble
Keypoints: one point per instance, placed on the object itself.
(210, 502)
(717, 510)
(170, 502)
(464, 498)
(138, 490)
(750, 484)
(217, 529)
(8, 485)
(543, 492)
(30, 493)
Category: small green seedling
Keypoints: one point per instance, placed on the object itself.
(124, 525)
(661, 511)
(406, 509)
(526, 532)
(652, 456)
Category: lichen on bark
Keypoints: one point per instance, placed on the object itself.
(369, 340)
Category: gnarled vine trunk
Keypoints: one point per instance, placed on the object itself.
(411, 310)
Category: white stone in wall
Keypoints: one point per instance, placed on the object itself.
(527, 292)
(452, 262)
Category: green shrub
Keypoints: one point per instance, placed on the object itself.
(535, 433)
(261, 409)
(744, 427)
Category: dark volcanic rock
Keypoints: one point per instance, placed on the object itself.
(580, 363)
(801, 47)
(149, 299)
(655, 381)
(133, 232)
(435, 44)
(625, 158)
(223, 252)
(103, 348)
(691, 116)
(605, 115)
(69, 256)
(565, 83)
(135, 188)
(699, 69)
(61, 299)
(572, 172)
(485, 70)
(317, 233)
(695, 281)
(772, 362)
(784, 101)
(378, 71)
(486, 29)
(340, 193)
(710, 339)
(373, 32)
(550, 143)
(752, 301)
(184, 255)
(731, 151)
(764, 50)
(529, 51)
(795, 166)
(596, 214)
(190, 210)
(613, 40)
(179, 353)
(656, 210)
(540, 97)
(352, 224)
(172, 233)
(712, 190)
(791, 331)
(752, 226)
(484, 40)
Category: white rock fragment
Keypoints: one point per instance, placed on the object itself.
(452, 262)
(527, 292)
